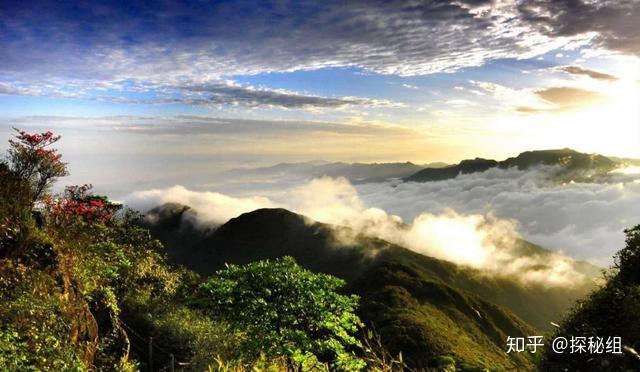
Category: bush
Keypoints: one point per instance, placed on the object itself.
(611, 311)
(286, 311)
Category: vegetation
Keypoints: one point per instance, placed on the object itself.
(424, 308)
(84, 287)
(287, 311)
(570, 165)
(611, 311)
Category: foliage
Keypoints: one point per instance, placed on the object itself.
(32, 160)
(68, 264)
(611, 311)
(411, 311)
(39, 327)
(14, 353)
(75, 269)
(378, 358)
(285, 310)
(78, 202)
(422, 307)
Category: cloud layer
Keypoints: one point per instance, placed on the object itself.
(188, 48)
(474, 219)
(614, 23)
(582, 71)
(585, 220)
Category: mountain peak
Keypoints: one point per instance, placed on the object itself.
(266, 218)
(574, 163)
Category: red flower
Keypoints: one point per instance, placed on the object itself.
(78, 202)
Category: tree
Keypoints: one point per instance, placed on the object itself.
(286, 311)
(32, 160)
(79, 203)
(627, 260)
(610, 311)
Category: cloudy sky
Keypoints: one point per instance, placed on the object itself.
(193, 85)
(152, 94)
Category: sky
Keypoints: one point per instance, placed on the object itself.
(155, 90)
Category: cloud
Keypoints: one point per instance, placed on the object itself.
(234, 94)
(183, 44)
(523, 100)
(560, 99)
(211, 207)
(585, 220)
(568, 96)
(613, 23)
(213, 94)
(564, 99)
(473, 220)
(206, 125)
(594, 74)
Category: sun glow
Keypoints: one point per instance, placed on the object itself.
(609, 126)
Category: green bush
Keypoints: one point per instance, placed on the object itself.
(286, 311)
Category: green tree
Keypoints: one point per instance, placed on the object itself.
(611, 311)
(75, 271)
(286, 311)
(32, 160)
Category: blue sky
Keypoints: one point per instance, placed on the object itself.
(270, 81)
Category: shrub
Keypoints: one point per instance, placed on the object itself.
(286, 311)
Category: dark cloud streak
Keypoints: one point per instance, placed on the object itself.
(579, 70)
(563, 99)
(614, 22)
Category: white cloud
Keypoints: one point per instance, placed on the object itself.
(212, 207)
(585, 220)
(211, 94)
(181, 45)
(472, 220)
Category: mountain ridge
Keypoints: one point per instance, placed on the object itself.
(422, 306)
(573, 165)
(355, 172)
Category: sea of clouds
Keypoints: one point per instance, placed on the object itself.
(474, 219)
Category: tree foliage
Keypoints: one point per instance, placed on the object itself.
(611, 311)
(32, 160)
(83, 286)
(70, 265)
(285, 310)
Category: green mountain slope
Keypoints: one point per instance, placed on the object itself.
(573, 165)
(422, 306)
(609, 312)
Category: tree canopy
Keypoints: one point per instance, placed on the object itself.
(287, 311)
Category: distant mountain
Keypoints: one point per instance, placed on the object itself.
(572, 165)
(625, 161)
(422, 306)
(355, 172)
(435, 164)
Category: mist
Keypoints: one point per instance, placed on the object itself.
(464, 220)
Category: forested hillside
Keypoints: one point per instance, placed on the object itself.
(86, 284)
(84, 287)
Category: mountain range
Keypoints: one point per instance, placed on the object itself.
(571, 165)
(426, 308)
(354, 172)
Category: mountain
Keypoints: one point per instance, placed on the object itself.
(573, 165)
(610, 311)
(355, 172)
(452, 171)
(624, 161)
(424, 307)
